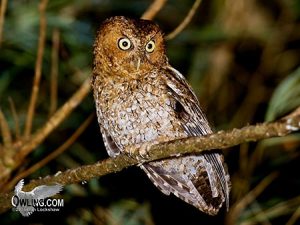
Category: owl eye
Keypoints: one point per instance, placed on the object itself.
(150, 46)
(124, 43)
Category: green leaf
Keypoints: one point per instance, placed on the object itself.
(286, 97)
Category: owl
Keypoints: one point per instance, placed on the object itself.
(141, 98)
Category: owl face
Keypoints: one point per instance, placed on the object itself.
(128, 48)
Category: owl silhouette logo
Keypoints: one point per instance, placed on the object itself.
(28, 202)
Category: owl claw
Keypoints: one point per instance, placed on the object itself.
(140, 151)
(141, 103)
(144, 150)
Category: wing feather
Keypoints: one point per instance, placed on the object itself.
(19, 186)
(45, 191)
(191, 184)
(195, 123)
(111, 147)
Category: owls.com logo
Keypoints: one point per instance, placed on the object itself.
(37, 199)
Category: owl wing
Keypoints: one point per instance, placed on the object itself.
(186, 104)
(196, 124)
(209, 185)
(45, 191)
(111, 147)
(190, 178)
(167, 181)
(19, 186)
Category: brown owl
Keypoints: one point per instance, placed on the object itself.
(140, 98)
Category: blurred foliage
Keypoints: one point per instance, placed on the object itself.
(286, 96)
(241, 57)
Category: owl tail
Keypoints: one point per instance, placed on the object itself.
(194, 179)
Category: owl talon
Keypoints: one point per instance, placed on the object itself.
(139, 151)
(142, 101)
(143, 150)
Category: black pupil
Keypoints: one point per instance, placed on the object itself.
(150, 46)
(125, 43)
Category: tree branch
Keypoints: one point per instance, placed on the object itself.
(38, 68)
(5, 131)
(54, 121)
(54, 71)
(3, 7)
(153, 9)
(15, 117)
(51, 156)
(238, 207)
(21, 148)
(219, 140)
(185, 22)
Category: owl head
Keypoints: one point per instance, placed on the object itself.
(128, 47)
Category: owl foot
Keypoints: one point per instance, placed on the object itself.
(140, 151)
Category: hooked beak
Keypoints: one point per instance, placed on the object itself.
(137, 63)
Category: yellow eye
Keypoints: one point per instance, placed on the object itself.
(124, 43)
(150, 46)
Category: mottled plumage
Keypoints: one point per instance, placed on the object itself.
(139, 97)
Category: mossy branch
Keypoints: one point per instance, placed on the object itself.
(219, 140)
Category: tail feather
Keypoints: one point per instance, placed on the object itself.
(199, 180)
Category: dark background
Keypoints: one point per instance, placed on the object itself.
(241, 57)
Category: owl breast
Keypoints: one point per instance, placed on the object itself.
(140, 98)
(137, 111)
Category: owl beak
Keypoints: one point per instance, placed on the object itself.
(137, 63)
